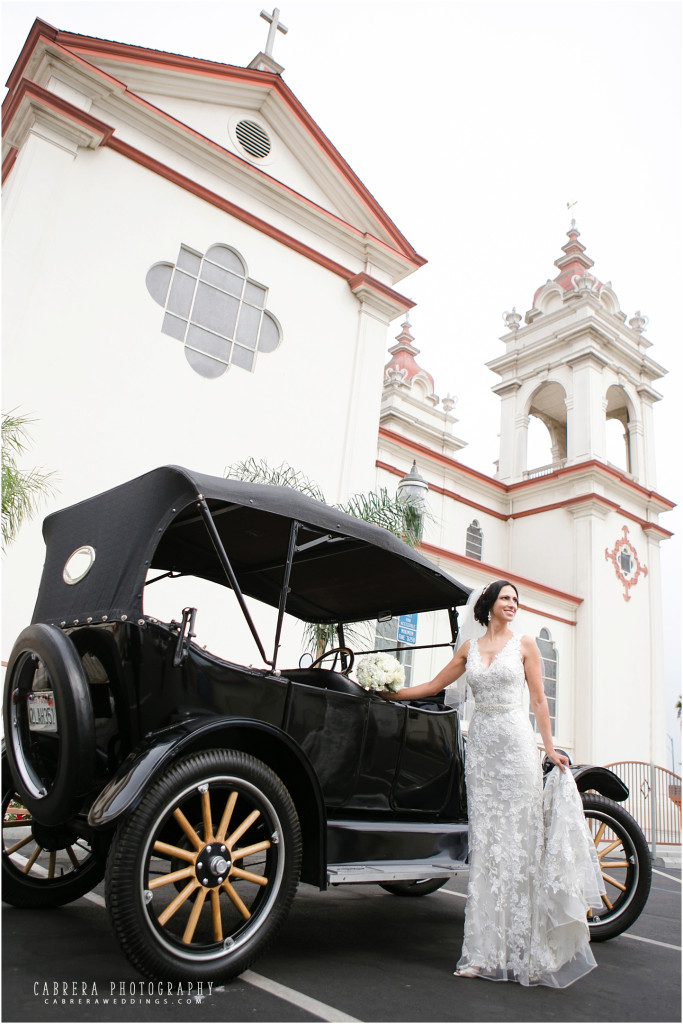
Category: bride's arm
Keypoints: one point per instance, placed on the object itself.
(452, 671)
(539, 702)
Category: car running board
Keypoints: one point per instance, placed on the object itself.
(392, 871)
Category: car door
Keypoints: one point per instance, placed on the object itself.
(430, 771)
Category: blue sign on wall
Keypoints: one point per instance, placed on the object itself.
(407, 629)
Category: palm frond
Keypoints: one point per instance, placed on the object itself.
(257, 471)
(319, 637)
(401, 516)
(22, 490)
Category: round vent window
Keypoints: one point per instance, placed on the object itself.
(253, 138)
(78, 565)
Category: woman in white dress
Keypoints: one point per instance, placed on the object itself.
(533, 867)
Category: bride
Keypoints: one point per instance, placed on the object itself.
(533, 867)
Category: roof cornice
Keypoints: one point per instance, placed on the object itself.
(8, 162)
(373, 293)
(113, 97)
(539, 483)
(602, 502)
(88, 49)
(364, 287)
(571, 503)
(429, 453)
(593, 465)
(607, 340)
(431, 433)
(30, 102)
(493, 570)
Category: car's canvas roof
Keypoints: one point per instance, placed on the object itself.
(153, 522)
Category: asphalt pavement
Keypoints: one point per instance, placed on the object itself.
(353, 953)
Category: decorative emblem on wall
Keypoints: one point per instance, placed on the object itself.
(624, 558)
(213, 307)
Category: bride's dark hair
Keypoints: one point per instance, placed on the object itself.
(489, 597)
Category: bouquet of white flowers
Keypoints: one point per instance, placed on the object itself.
(381, 672)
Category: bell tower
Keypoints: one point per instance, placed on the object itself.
(580, 368)
(585, 520)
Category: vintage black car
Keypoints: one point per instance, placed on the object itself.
(206, 790)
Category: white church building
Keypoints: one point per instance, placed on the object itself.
(194, 275)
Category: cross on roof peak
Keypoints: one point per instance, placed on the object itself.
(275, 27)
(570, 207)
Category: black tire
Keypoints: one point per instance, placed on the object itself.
(626, 869)
(246, 906)
(63, 864)
(52, 770)
(416, 887)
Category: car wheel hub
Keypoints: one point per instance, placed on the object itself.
(211, 866)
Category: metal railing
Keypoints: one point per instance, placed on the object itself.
(654, 800)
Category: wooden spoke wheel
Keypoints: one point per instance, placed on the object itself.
(625, 864)
(201, 876)
(42, 866)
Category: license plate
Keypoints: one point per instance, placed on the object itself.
(42, 713)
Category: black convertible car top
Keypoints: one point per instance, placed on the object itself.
(175, 520)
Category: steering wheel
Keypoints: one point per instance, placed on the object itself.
(336, 650)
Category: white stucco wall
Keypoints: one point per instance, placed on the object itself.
(114, 397)
(626, 641)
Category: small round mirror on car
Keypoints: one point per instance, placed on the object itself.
(78, 564)
(306, 660)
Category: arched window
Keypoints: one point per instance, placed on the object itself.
(617, 438)
(548, 652)
(547, 429)
(474, 540)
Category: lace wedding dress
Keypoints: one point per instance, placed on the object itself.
(533, 867)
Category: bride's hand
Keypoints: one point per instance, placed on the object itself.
(558, 759)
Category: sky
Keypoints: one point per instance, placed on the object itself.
(474, 124)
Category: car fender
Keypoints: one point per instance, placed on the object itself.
(604, 781)
(126, 789)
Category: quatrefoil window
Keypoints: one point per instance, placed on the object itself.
(215, 309)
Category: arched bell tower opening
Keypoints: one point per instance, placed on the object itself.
(547, 437)
(618, 422)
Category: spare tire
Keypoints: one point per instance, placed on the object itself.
(49, 724)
